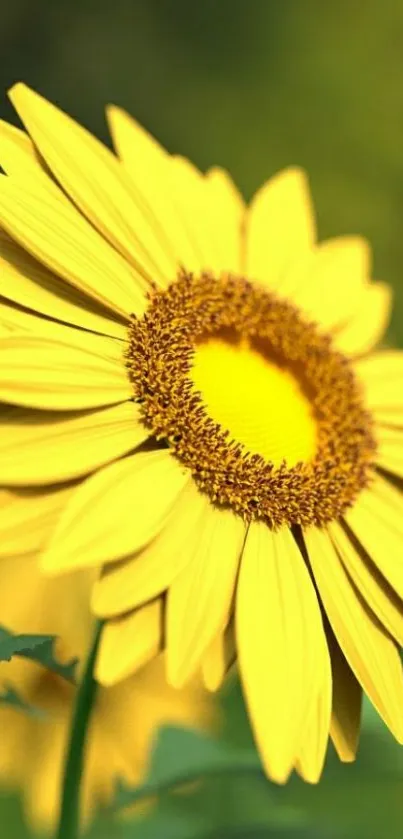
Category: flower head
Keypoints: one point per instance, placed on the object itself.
(194, 382)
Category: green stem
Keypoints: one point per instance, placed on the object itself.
(69, 822)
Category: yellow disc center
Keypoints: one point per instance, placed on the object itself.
(259, 403)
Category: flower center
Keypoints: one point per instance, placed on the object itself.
(259, 402)
(253, 400)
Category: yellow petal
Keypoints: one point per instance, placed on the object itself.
(391, 495)
(373, 587)
(198, 216)
(391, 417)
(25, 281)
(376, 521)
(27, 518)
(139, 578)
(149, 177)
(18, 156)
(312, 753)
(6, 329)
(39, 448)
(389, 453)
(369, 650)
(217, 659)
(200, 597)
(280, 644)
(386, 435)
(368, 324)
(381, 374)
(94, 179)
(17, 320)
(346, 710)
(127, 643)
(116, 511)
(330, 286)
(228, 215)
(20, 160)
(191, 196)
(57, 235)
(280, 227)
(44, 373)
(21, 320)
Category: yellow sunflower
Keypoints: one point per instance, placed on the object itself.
(191, 379)
(125, 717)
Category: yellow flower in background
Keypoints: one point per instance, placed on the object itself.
(192, 380)
(125, 717)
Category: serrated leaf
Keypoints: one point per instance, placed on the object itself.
(181, 756)
(11, 644)
(39, 648)
(9, 696)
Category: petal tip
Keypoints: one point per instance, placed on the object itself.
(104, 675)
(17, 90)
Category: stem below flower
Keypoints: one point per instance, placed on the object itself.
(69, 821)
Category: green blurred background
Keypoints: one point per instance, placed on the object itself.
(252, 86)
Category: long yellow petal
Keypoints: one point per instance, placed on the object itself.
(330, 286)
(346, 708)
(198, 215)
(389, 453)
(25, 281)
(51, 375)
(18, 156)
(17, 320)
(390, 435)
(280, 227)
(279, 636)
(380, 597)
(21, 320)
(116, 511)
(217, 659)
(57, 235)
(392, 497)
(27, 518)
(368, 324)
(191, 196)
(381, 374)
(228, 215)
(127, 643)
(139, 578)
(20, 159)
(369, 650)
(391, 417)
(200, 597)
(376, 521)
(150, 180)
(313, 750)
(94, 179)
(6, 329)
(38, 448)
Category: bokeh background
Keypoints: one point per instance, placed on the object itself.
(253, 86)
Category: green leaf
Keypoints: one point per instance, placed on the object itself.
(39, 648)
(9, 696)
(181, 756)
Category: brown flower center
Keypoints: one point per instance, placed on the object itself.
(253, 399)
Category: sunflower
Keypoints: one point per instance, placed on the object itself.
(125, 717)
(192, 383)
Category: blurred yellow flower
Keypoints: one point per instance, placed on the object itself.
(193, 380)
(125, 717)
